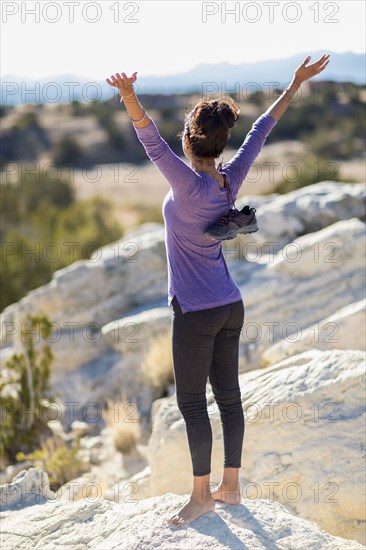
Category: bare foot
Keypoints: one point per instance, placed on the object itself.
(230, 494)
(190, 511)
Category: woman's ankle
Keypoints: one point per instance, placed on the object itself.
(230, 477)
(230, 485)
(202, 491)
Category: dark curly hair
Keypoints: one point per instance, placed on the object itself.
(208, 125)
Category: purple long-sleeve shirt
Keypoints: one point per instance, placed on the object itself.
(197, 270)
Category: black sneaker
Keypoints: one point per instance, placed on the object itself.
(235, 222)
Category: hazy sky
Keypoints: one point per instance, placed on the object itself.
(158, 38)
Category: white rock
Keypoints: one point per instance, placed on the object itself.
(345, 329)
(8, 474)
(81, 429)
(89, 293)
(333, 247)
(321, 453)
(282, 298)
(139, 525)
(92, 442)
(132, 333)
(127, 277)
(137, 487)
(28, 486)
(57, 429)
(308, 209)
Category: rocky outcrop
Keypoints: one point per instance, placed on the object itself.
(119, 277)
(303, 438)
(303, 288)
(305, 282)
(106, 310)
(129, 524)
(305, 210)
(345, 329)
(28, 487)
(128, 278)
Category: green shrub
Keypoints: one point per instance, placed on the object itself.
(91, 222)
(38, 218)
(27, 120)
(77, 109)
(67, 151)
(116, 135)
(23, 197)
(24, 389)
(24, 266)
(4, 109)
(60, 461)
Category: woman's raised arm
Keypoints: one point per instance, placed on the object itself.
(134, 108)
(181, 178)
(301, 74)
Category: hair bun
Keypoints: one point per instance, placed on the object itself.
(208, 125)
(227, 112)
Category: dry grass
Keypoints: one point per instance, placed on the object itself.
(157, 367)
(61, 462)
(123, 420)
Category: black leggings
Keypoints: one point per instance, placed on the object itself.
(205, 343)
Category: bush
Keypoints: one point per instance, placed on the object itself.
(123, 424)
(157, 367)
(27, 120)
(77, 108)
(91, 222)
(39, 218)
(4, 109)
(60, 461)
(116, 136)
(67, 151)
(23, 267)
(32, 190)
(26, 390)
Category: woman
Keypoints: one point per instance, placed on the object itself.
(208, 310)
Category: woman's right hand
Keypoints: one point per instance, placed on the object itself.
(303, 73)
(123, 83)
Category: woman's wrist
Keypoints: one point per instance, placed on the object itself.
(296, 83)
(127, 94)
(291, 89)
(279, 107)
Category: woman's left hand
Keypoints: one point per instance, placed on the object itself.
(123, 83)
(303, 73)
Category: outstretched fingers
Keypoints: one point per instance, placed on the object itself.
(322, 67)
(113, 81)
(124, 80)
(119, 79)
(319, 63)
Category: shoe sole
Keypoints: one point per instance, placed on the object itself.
(243, 231)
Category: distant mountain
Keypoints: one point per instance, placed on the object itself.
(205, 77)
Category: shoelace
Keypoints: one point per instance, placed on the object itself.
(232, 212)
(225, 219)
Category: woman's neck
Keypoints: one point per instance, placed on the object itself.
(207, 166)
